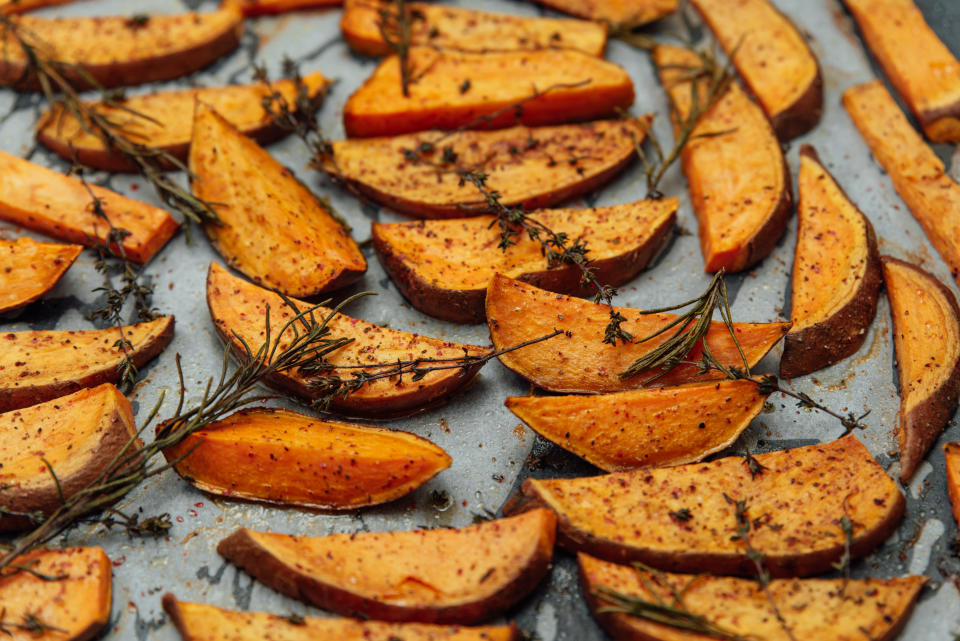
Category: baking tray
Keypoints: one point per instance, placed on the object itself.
(492, 453)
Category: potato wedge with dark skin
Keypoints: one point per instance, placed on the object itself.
(168, 121)
(773, 59)
(253, 8)
(37, 366)
(579, 362)
(739, 181)
(921, 68)
(926, 338)
(162, 48)
(459, 29)
(653, 427)
(454, 89)
(201, 622)
(530, 166)
(238, 306)
(29, 269)
(443, 267)
(836, 274)
(684, 519)
(78, 435)
(915, 170)
(463, 576)
(283, 457)
(61, 206)
(874, 609)
(951, 452)
(620, 15)
(267, 216)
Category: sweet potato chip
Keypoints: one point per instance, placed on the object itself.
(915, 170)
(36, 366)
(197, 621)
(620, 15)
(811, 608)
(239, 306)
(452, 89)
(271, 227)
(29, 269)
(652, 427)
(738, 178)
(533, 167)
(77, 605)
(166, 120)
(279, 456)
(77, 435)
(685, 519)
(462, 576)
(446, 27)
(266, 7)
(951, 452)
(836, 274)
(926, 337)
(443, 267)
(579, 362)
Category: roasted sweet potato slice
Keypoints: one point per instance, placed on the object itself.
(271, 227)
(78, 435)
(951, 452)
(534, 167)
(200, 622)
(61, 206)
(921, 68)
(168, 120)
(237, 306)
(265, 7)
(162, 48)
(772, 58)
(684, 519)
(78, 605)
(29, 269)
(443, 267)
(620, 15)
(836, 274)
(279, 456)
(811, 608)
(739, 180)
(578, 361)
(452, 89)
(432, 576)
(652, 427)
(926, 337)
(915, 170)
(11, 7)
(36, 366)
(447, 27)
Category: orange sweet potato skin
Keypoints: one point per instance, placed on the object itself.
(29, 269)
(619, 14)
(951, 452)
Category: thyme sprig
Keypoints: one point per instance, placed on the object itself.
(395, 23)
(30, 622)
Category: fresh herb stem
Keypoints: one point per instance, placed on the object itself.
(395, 24)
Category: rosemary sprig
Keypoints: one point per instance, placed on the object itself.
(395, 23)
(30, 622)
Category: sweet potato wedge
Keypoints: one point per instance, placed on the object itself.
(921, 68)
(772, 58)
(238, 306)
(533, 167)
(253, 8)
(163, 48)
(836, 274)
(917, 173)
(452, 89)
(170, 121)
(29, 269)
(926, 338)
(653, 427)
(461, 576)
(578, 362)
(739, 181)
(78, 605)
(283, 457)
(812, 608)
(443, 267)
(200, 622)
(951, 452)
(60, 206)
(620, 15)
(78, 435)
(12, 7)
(446, 27)
(36, 366)
(271, 227)
(683, 519)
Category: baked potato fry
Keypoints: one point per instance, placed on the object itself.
(29, 269)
